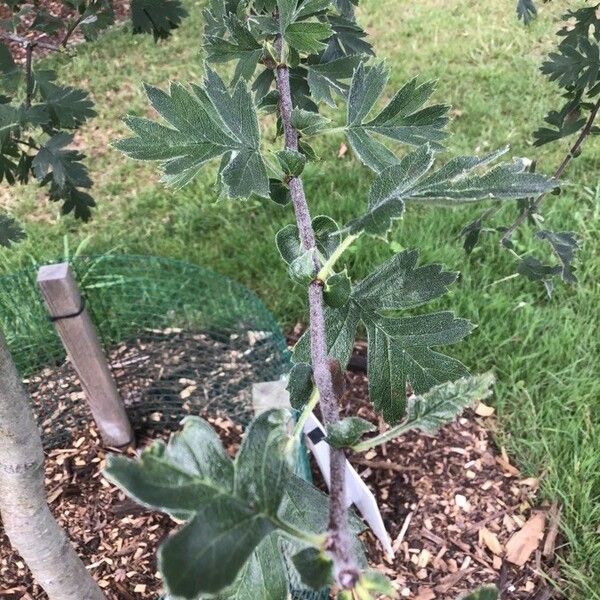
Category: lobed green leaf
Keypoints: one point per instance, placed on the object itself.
(206, 123)
(10, 231)
(207, 554)
(400, 348)
(443, 403)
(458, 181)
(158, 18)
(404, 119)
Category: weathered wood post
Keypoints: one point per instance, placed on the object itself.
(76, 330)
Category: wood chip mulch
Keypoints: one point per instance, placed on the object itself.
(162, 376)
(56, 8)
(458, 511)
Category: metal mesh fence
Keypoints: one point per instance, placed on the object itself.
(179, 339)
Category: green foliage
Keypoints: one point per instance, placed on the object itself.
(38, 114)
(326, 78)
(315, 568)
(158, 18)
(456, 182)
(432, 410)
(404, 119)
(399, 349)
(67, 107)
(576, 65)
(308, 123)
(484, 593)
(443, 403)
(63, 169)
(300, 385)
(241, 46)
(338, 289)
(564, 245)
(575, 68)
(292, 162)
(207, 123)
(10, 231)
(263, 576)
(10, 74)
(291, 58)
(300, 261)
(232, 509)
(206, 555)
(347, 432)
(526, 10)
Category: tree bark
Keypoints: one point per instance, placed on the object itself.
(27, 520)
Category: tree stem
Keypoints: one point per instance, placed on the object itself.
(571, 154)
(29, 524)
(339, 540)
(29, 73)
(71, 30)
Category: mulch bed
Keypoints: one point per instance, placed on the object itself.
(455, 507)
(56, 8)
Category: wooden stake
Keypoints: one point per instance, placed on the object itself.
(76, 330)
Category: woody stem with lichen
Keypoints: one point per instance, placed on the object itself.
(338, 539)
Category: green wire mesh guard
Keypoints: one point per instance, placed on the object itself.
(179, 339)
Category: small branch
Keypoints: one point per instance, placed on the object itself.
(28, 144)
(571, 154)
(29, 73)
(71, 30)
(17, 39)
(338, 543)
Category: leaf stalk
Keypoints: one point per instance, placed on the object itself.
(306, 412)
(571, 154)
(327, 269)
(310, 538)
(382, 438)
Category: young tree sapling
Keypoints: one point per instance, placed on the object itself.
(309, 53)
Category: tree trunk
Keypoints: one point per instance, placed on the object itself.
(30, 526)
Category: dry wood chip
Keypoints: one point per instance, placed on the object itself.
(522, 544)
(550, 542)
(187, 392)
(510, 470)
(483, 410)
(425, 594)
(491, 541)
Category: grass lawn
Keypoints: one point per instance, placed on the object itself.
(545, 352)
